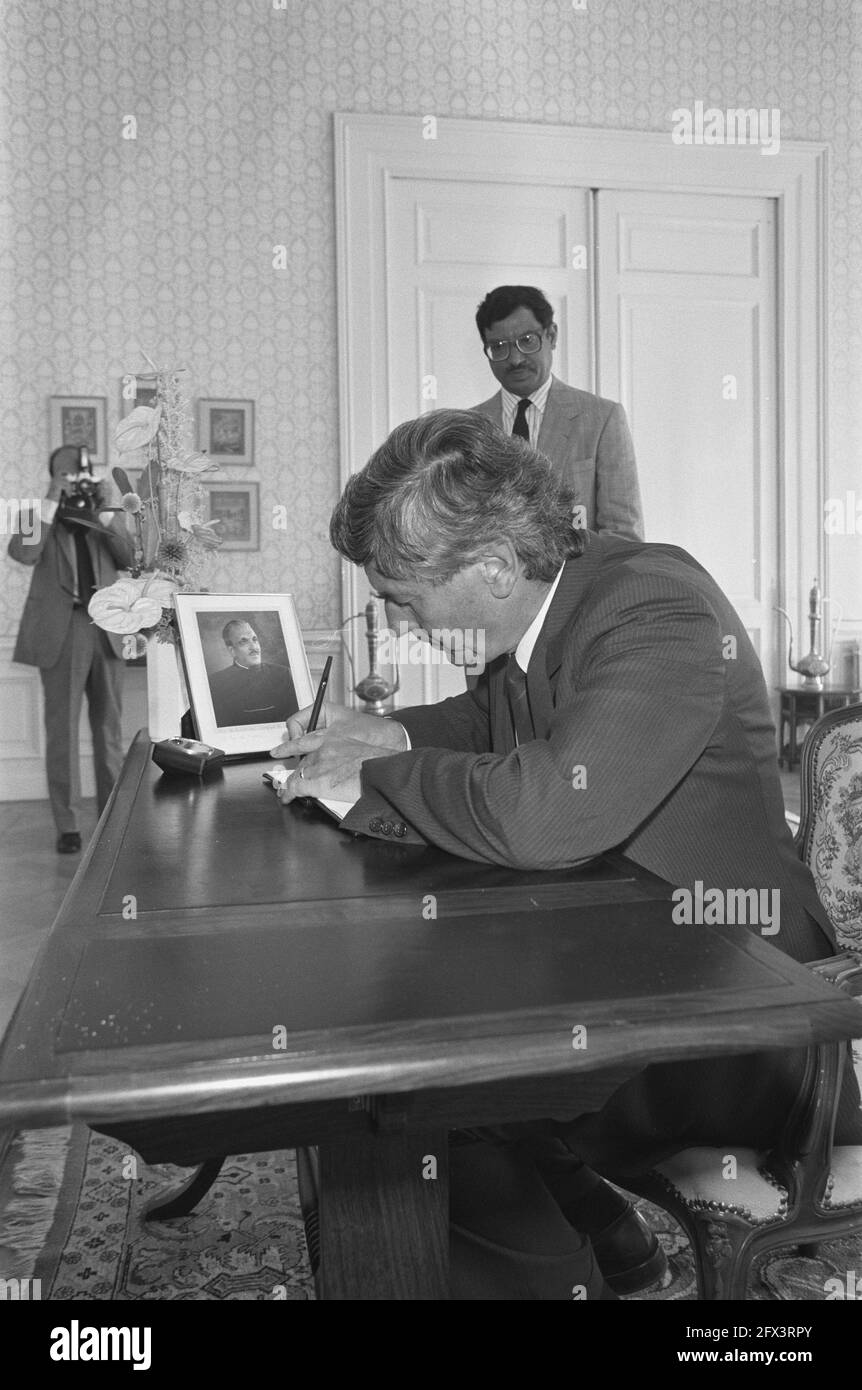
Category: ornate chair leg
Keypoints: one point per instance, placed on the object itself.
(722, 1253)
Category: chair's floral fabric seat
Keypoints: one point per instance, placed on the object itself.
(831, 839)
(833, 848)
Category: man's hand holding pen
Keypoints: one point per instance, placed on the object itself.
(333, 756)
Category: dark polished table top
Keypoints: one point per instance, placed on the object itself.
(218, 951)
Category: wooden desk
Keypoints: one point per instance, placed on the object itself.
(227, 975)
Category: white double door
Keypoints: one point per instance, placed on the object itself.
(664, 301)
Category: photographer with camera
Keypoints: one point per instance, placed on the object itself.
(75, 546)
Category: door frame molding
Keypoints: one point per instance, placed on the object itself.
(371, 151)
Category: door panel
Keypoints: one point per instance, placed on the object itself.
(687, 341)
(447, 248)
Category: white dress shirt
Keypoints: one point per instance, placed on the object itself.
(524, 649)
(535, 410)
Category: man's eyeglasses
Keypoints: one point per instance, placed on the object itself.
(527, 343)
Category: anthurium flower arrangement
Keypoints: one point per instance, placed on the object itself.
(166, 512)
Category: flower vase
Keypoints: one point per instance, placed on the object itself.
(166, 693)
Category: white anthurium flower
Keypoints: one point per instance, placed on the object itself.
(128, 605)
(138, 429)
(191, 463)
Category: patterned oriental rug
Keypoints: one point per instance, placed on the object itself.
(71, 1205)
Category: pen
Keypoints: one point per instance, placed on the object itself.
(318, 699)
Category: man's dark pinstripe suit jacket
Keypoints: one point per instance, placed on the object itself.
(644, 676)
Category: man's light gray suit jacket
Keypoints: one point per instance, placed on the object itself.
(587, 440)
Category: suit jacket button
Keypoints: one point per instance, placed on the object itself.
(374, 824)
(386, 827)
(400, 829)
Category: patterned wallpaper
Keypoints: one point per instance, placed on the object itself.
(164, 243)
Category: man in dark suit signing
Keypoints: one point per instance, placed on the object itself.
(586, 437)
(622, 706)
(70, 561)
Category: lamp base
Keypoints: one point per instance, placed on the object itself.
(373, 690)
(374, 707)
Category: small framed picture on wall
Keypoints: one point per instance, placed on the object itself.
(226, 431)
(79, 420)
(237, 507)
(135, 391)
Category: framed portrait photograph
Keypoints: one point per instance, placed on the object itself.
(79, 420)
(246, 667)
(237, 507)
(144, 388)
(226, 431)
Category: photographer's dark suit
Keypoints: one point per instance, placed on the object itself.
(73, 655)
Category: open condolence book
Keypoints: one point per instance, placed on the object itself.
(247, 671)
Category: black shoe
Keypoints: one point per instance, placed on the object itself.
(629, 1253)
(69, 842)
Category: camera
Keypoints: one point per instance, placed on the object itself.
(81, 501)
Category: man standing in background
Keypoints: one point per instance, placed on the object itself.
(585, 437)
(73, 552)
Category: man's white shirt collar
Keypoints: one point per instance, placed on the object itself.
(524, 649)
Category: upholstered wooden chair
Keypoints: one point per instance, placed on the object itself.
(806, 1191)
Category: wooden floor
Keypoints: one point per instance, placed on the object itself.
(35, 879)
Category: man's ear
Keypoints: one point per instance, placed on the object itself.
(552, 334)
(500, 569)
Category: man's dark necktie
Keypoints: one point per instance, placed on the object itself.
(86, 577)
(519, 703)
(520, 427)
